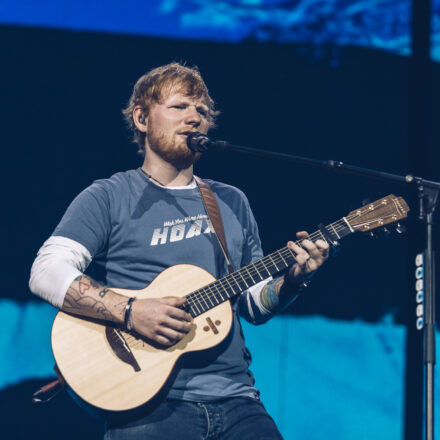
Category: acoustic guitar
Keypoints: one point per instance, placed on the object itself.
(116, 370)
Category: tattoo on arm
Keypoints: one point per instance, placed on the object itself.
(103, 292)
(86, 297)
(74, 302)
(276, 295)
(269, 294)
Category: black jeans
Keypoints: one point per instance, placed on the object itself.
(237, 418)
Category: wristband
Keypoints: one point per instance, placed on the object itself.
(298, 287)
(128, 323)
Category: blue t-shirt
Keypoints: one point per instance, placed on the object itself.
(135, 229)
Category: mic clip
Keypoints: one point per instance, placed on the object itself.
(199, 142)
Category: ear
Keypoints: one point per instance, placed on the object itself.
(139, 119)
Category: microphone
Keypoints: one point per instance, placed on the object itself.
(199, 142)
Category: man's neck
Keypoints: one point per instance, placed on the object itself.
(164, 173)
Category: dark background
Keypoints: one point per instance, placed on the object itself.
(62, 94)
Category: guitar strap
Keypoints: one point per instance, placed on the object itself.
(213, 211)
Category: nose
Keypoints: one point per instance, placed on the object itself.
(192, 116)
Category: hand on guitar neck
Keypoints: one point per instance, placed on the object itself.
(160, 320)
(309, 256)
(277, 294)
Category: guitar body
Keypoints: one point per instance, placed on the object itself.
(88, 353)
(114, 370)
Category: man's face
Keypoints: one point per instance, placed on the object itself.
(170, 122)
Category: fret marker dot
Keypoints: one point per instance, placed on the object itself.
(206, 328)
(218, 322)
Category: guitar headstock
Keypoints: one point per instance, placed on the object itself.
(382, 212)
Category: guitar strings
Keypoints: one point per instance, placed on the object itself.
(194, 299)
(213, 291)
(253, 271)
(207, 292)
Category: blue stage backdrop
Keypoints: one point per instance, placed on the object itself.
(318, 377)
(378, 24)
(327, 79)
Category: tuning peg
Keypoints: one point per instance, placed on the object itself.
(400, 229)
(379, 233)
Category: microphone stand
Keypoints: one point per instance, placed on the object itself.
(427, 193)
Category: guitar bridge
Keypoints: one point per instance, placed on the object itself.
(120, 347)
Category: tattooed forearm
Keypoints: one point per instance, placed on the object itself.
(85, 305)
(86, 297)
(103, 292)
(269, 294)
(276, 295)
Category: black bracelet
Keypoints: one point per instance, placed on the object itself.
(298, 287)
(303, 285)
(128, 324)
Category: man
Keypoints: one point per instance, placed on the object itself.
(136, 224)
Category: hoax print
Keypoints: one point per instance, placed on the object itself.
(182, 228)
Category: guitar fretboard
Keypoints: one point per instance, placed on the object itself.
(225, 288)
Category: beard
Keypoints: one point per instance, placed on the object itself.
(172, 149)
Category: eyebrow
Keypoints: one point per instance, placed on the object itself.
(186, 101)
(203, 107)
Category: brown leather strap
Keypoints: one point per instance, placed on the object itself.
(49, 391)
(213, 211)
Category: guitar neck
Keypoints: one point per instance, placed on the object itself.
(225, 288)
